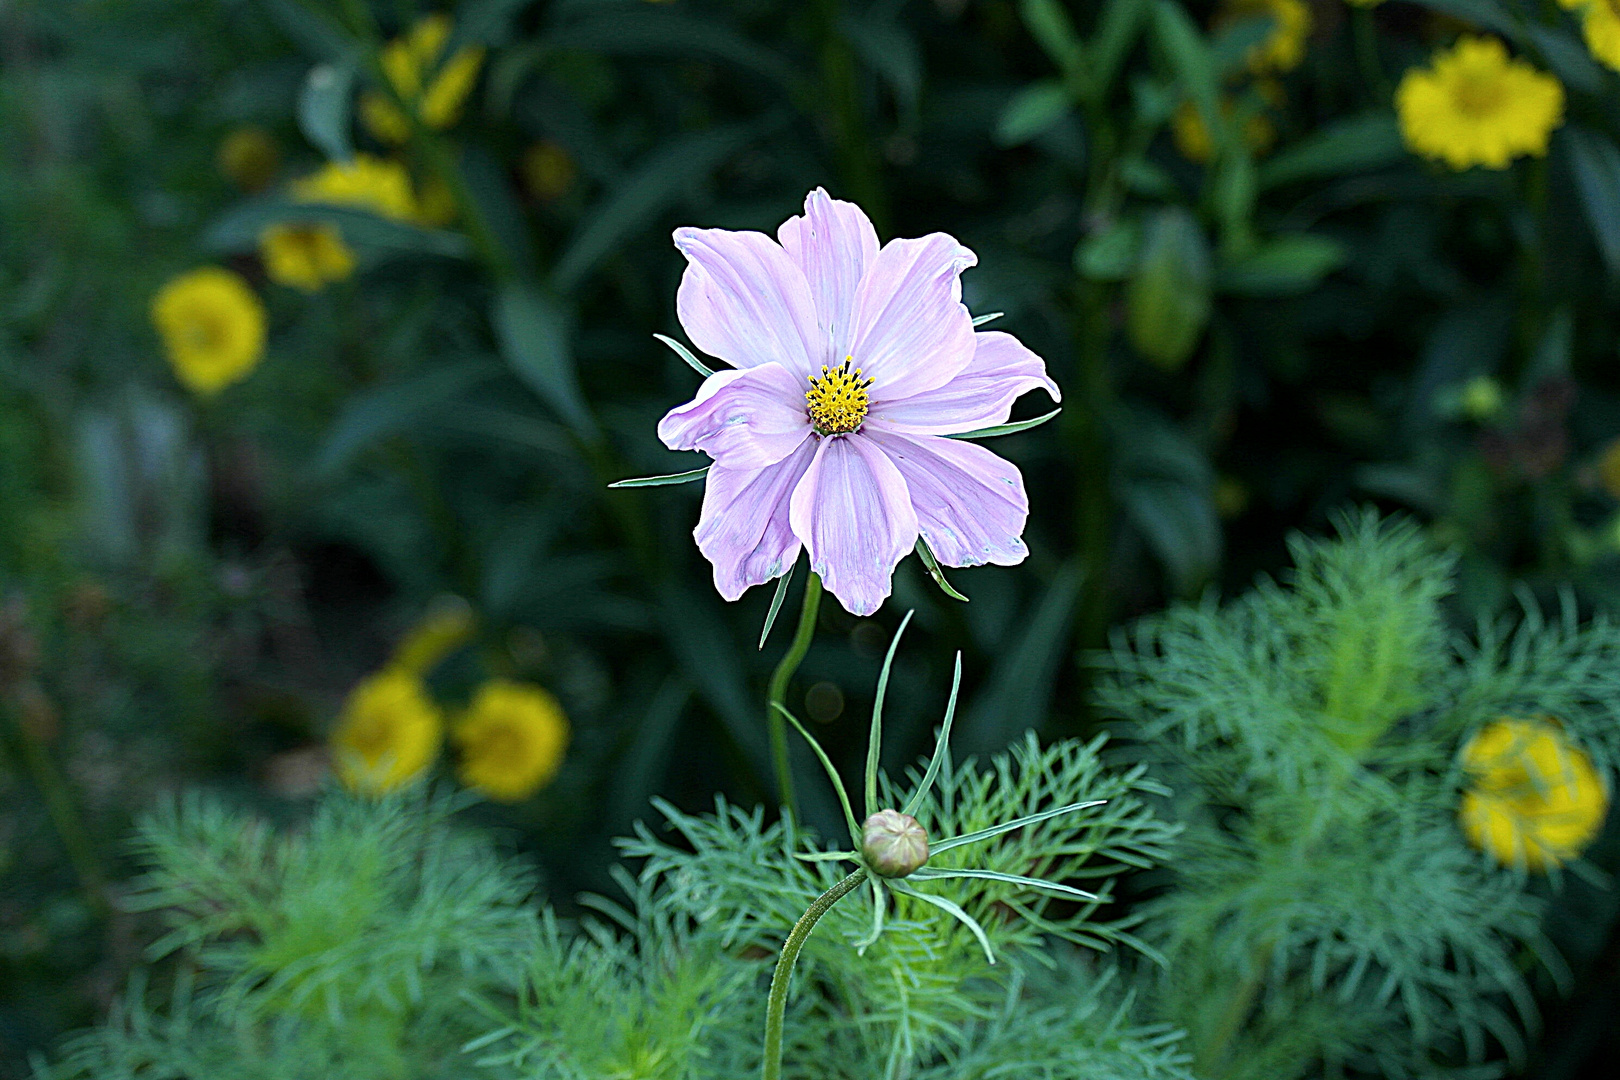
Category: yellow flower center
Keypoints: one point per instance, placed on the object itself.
(205, 332)
(1479, 95)
(836, 400)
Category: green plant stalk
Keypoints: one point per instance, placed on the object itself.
(777, 696)
(64, 815)
(776, 1004)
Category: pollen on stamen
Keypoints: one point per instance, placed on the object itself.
(836, 400)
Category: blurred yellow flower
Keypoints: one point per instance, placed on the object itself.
(1536, 799)
(435, 203)
(1600, 24)
(305, 256)
(447, 626)
(1475, 106)
(436, 91)
(1608, 469)
(365, 182)
(1481, 398)
(548, 171)
(213, 328)
(1283, 48)
(512, 739)
(388, 733)
(249, 157)
(1192, 137)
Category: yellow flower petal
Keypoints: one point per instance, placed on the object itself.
(305, 256)
(213, 328)
(388, 734)
(1475, 106)
(1536, 798)
(1282, 49)
(1600, 25)
(365, 182)
(512, 740)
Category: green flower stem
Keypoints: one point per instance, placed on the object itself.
(776, 1006)
(64, 815)
(778, 691)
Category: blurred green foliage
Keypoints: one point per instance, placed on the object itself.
(188, 587)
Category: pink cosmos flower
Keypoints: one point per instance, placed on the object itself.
(849, 363)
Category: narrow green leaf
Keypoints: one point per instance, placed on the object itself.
(237, 230)
(1031, 111)
(1596, 164)
(323, 109)
(950, 908)
(686, 354)
(1050, 26)
(1008, 826)
(535, 331)
(926, 874)
(659, 180)
(776, 603)
(1283, 266)
(931, 564)
(660, 481)
(941, 747)
(385, 410)
(1353, 144)
(980, 320)
(827, 856)
(832, 774)
(1116, 31)
(874, 740)
(879, 903)
(1005, 429)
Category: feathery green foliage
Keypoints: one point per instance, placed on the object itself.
(1327, 911)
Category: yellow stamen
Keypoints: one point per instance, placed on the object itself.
(837, 400)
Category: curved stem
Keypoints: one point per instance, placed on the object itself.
(778, 691)
(776, 1005)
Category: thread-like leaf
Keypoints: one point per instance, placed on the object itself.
(951, 908)
(1008, 826)
(1005, 429)
(686, 354)
(942, 747)
(776, 604)
(874, 741)
(668, 478)
(832, 773)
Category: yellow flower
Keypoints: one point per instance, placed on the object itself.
(388, 733)
(512, 740)
(446, 627)
(408, 61)
(1284, 47)
(366, 182)
(1600, 24)
(1475, 106)
(249, 157)
(305, 256)
(1536, 799)
(1192, 137)
(548, 171)
(213, 327)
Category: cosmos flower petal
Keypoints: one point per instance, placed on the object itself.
(981, 395)
(970, 503)
(833, 243)
(911, 330)
(744, 419)
(744, 528)
(853, 512)
(743, 300)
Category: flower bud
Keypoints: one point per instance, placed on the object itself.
(893, 844)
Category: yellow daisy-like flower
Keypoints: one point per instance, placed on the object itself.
(1283, 48)
(249, 157)
(388, 733)
(436, 91)
(213, 328)
(365, 182)
(1600, 25)
(512, 740)
(1475, 106)
(1536, 800)
(305, 256)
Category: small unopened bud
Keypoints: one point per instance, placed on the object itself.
(893, 844)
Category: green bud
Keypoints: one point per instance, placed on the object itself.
(893, 844)
(1167, 300)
